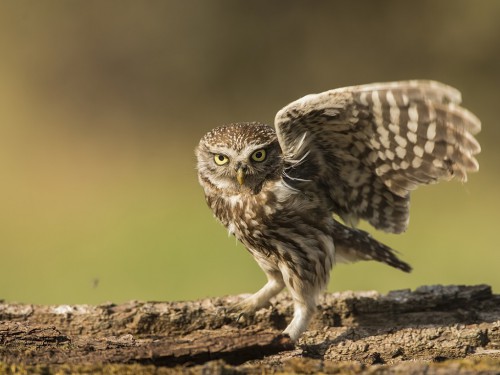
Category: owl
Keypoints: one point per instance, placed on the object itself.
(293, 195)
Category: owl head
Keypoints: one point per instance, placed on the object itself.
(239, 157)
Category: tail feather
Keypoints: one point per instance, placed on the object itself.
(352, 245)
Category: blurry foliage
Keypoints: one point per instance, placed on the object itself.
(102, 104)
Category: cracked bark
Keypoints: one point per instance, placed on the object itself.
(434, 328)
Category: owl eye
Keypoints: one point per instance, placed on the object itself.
(220, 159)
(259, 155)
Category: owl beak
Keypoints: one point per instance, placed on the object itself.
(240, 175)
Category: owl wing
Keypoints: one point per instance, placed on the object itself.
(367, 147)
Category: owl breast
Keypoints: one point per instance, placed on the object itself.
(248, 216)
(281, 228)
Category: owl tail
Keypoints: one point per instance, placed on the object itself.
(352, 245)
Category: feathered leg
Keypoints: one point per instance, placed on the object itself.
(260, 299)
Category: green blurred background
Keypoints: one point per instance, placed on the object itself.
(103, 102)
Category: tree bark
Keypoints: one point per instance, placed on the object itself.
(453, 329)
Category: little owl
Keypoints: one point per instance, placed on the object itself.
(355, 152)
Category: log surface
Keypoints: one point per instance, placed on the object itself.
(452, 329)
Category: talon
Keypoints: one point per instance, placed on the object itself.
(222, 310)
(241, 314)
(240, 307)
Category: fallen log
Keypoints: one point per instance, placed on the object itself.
(434, 328)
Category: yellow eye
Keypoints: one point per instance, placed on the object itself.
(259, 155)
(220, 159)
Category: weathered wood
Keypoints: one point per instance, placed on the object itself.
(431, 329)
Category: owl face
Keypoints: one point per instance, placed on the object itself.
(239, 157)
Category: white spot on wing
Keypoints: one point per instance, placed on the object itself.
(413, 113)
(416, 162)
(375, 98)
(374, 143)
(419, 151)
(394, 128)
(383, 169)
(405, 99)
(437, 163)
(412, 126)
(400, 152)
(390, 99)
(362, 98)
(431, 131)
(383, 132)
(412, 137)
(400, 141)
(385, 142)
(429, 147)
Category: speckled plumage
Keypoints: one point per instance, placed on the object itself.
(356, 152)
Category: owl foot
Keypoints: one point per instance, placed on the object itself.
(240, 312)
(248, 305)
(261, 298)
(302, 315)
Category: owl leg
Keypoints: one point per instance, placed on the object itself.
(305, 297)
(260, 299)
(304, 309)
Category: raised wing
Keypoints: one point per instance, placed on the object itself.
(366, 147)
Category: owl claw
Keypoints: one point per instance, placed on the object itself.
(241, 307)
(238, 313)
(242, 311)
